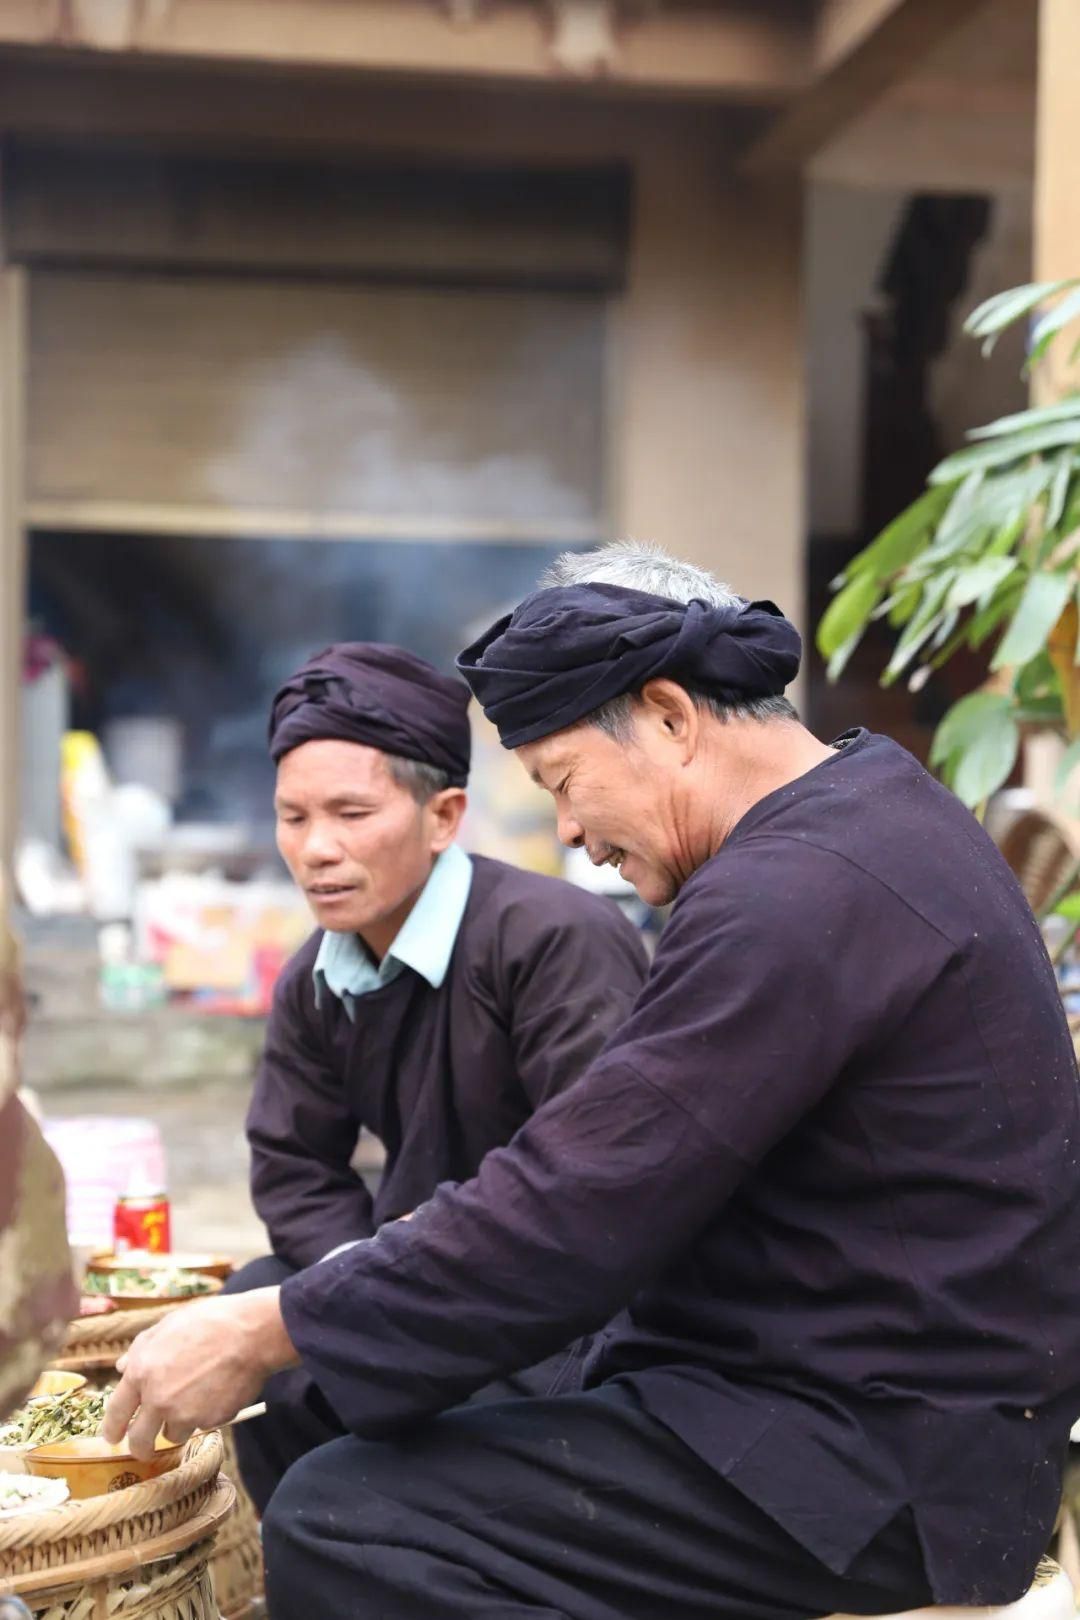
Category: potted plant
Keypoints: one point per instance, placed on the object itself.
(987, 558)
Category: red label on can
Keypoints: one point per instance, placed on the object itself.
(142, 1223)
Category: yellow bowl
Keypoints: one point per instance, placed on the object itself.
(52, 1382)
(93, 1468)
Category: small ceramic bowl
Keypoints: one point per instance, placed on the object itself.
(93, 1468)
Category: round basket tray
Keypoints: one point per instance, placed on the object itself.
(46, 1547)
(92, 1346)
(164, 1578)
(94, 1343)
(237, 1562)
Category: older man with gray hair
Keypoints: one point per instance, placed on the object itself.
(826, 1173)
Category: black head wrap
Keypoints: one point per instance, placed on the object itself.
(568, 649)
(366, 692)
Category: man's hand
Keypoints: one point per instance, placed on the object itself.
(197, 1367)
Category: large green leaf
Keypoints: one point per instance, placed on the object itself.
(921, 626)
(992, 317)
(983, 577)
(940, 657)
(1048, 325)
(902, 538)
(986, 763)
(1059, 489)
(1037, 693)
(1063, 410)
(963, 525)
(1002, 308)
(962, 508)
(1000, 607)
(1014, 493)
(944, 630)
(1040, 607)
(965, 721)
(848, 612)
(1000, 452)
(903, 605)
(838, 662)
(1006, 538)
(996, 505)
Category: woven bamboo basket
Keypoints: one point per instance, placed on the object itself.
(237, 1564)
(93, 1346)
(95, 1343)
(1042, 848)
(137, 1554)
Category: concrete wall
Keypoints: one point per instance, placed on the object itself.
(848, 234)
(709, 388)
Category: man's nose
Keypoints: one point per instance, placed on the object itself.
(321, 844)
(571, 832)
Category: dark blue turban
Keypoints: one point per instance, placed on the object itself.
(571, 648)
(366, 692)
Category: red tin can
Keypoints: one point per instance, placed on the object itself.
(142, 1222)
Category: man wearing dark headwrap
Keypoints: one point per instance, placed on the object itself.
(442, 1000)
(828, 1166)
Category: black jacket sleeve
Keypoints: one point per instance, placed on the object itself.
(570, 968)
(301, 1135)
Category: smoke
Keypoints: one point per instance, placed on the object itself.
(476, 417)
(522, 446)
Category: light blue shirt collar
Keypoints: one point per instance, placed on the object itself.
(425, 941)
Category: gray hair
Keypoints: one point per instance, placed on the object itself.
(652, 569)
(420, 779)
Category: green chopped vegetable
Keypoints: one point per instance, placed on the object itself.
(156, 1282)
(56, 1417)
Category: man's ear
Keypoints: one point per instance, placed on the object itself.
(444, 812)
(670, 710)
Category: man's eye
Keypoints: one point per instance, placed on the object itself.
(353, 815)
(290, 821)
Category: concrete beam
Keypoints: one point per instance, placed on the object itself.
(738, 50)
(865, 48)
(167, 107)
(937, 136)
(841, 25)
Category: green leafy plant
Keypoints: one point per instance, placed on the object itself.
(988, 557)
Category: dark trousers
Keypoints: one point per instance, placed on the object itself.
(299, 1417)
(578, 1507)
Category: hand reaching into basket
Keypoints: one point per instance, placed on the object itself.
(197, 1368)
